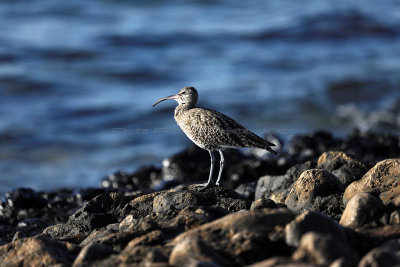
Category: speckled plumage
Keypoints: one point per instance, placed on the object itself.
(210, 129)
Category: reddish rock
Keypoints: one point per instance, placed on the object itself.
(381, 256)
(362, 209)
(324, 249)
(313, 221)
(346, 168)
(192, 250)
(37, 251)
(316, 189)
(92, 253)
(383, 180)
(244, 237)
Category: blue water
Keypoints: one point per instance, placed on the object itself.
(78, 78)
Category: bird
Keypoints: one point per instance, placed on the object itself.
(212, 130)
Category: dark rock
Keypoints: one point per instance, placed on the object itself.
(382, 180)
(313, 221)
(29, 227)
(50, 207)
(372, 147)
(99, 212)
(7, 233)
(310, 189)
(342, 166)
(263, 203)
(141, 206)
(37, 251)
(174, 200)
(369, 238)
(362, 209)
(146, 177)
(310, 146)
(193, 164)
(25, 198)
(87, 194)
(181, 197)
(382, 256)
(190, 165)
(277, 187)
(243, 238)
(323, 249)
(65, 231)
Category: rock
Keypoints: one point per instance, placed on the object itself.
(307, 147)
(142, 179)
(92, 253)
(28, 227)
(99, 212)
(381, 256)
(282, 262)
(96, 236)
(138, 256)
(263, 203)
(65, 231)
(247, 190)
(277, 187)
(383, 180)
(191, 250)
(7, 233)
(141, 206)
(37, 251)
(192, 166)
(316, 222)
(395, 217)
(323, 249)
(342, 166)
(362, 209)
(190, 196)
(242, 238)
(369, 238)
(372, 147)
(87, 194)
(155, 237)
(174, 200)
(25, 198)
(310, 189)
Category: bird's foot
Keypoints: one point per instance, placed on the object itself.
(205, 186)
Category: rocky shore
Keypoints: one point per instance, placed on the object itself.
(324, 201)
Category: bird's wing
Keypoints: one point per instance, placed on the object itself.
(224, 130)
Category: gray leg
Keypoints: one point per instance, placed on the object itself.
(208, 184)
(221, 166)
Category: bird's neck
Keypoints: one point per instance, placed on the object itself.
(180, 109)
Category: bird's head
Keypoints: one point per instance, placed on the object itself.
(186, 96)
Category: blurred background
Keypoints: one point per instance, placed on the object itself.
(78, 78)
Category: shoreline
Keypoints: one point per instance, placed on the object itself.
(323, 200)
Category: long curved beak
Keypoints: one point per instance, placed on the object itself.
(166, 98)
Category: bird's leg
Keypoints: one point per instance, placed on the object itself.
(208, 184)
(221, 166)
